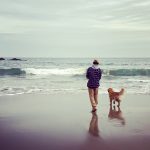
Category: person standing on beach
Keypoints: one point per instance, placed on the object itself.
(93, 75)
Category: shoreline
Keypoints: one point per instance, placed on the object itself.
(64, 121)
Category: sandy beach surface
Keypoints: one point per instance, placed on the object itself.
(64, 121)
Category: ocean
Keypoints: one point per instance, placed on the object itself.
(57, 75)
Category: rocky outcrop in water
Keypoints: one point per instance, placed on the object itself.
(1, 58)
(16, 59)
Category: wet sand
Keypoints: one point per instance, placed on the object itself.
(64, 121)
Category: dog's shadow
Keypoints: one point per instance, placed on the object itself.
(116, 114)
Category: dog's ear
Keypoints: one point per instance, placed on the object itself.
(110, 90)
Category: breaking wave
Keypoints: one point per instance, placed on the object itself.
(12, 72)
(76, 72)
(128, 72)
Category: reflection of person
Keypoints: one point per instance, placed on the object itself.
(93, 128)
(93, 140)
(93, 75)
(116, 114)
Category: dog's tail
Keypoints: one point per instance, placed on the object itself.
(121, 91)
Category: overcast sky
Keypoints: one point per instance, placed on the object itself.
(75, 28)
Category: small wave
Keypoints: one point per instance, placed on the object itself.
(116, 64)
(12, 72)
(109, 63)
(55, 71)
(128, 72)
(138, 80)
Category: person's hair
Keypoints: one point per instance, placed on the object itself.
(95, 62)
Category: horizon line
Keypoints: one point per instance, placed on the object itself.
(68, 57)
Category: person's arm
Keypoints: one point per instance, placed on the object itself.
(100, 74)
(87, 74)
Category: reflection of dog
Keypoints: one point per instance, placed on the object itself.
(115, 96)
(116, 114)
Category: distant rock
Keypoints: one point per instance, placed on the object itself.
(1, 58)
(16, 59)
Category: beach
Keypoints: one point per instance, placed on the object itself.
(64, 121)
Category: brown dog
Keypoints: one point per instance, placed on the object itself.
(115, 96)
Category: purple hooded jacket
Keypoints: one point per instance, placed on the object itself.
(93, 75)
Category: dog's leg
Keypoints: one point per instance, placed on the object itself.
(114, 101)
(114, 108)
(118, 103)
(110, 103)
(110, 100)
